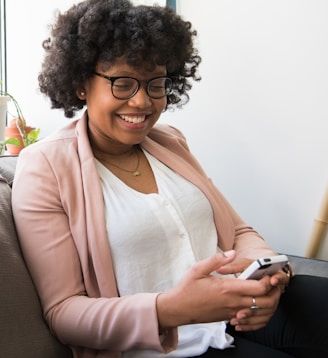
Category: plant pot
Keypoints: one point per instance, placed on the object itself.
(12, 132)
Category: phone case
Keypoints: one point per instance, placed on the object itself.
(263, 267)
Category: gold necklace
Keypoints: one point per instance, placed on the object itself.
(134, 172)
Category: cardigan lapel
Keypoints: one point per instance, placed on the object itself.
(97, 239)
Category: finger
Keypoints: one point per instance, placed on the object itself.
(251, 327)
(244, 315)
(259, 306)
(234, 267)
(253, 288)
(251, 319)
(212, 263)
(280, 278)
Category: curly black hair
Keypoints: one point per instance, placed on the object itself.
(95, 31)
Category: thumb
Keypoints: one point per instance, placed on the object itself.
(213, 263)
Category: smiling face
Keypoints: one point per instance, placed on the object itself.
(116, 124)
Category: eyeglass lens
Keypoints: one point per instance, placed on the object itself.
(127, 87)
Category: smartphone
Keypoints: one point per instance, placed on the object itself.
(263, 267)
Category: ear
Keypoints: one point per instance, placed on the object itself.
(81, 93)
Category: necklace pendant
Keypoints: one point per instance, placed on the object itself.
(136, 173)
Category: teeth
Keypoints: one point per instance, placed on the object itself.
(133, 119)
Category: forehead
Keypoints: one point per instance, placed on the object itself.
(120, 68)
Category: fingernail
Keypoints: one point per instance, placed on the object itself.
(229, 253)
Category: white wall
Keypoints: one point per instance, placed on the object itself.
(258, 119)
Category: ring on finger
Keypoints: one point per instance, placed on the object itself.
(254, 306)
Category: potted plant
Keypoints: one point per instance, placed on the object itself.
(8, 141)
(24, 135)
(17, 134)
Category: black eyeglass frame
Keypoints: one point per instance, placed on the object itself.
(112, 79)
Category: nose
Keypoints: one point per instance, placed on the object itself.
(140, 99)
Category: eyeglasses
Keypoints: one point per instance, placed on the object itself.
(127, 87)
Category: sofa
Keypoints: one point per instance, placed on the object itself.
(23, 331)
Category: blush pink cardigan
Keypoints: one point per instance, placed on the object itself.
(60, 218)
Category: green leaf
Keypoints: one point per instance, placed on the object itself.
(13, 141)
(32, 136)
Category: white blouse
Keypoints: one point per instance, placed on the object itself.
(155, 239)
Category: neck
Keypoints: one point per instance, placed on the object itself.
(123, 153)
(117, 161)
(107, 147)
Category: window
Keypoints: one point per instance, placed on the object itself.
(3, 54)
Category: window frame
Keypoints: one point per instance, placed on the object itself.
(3, 46)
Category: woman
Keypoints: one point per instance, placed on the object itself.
(123, 231)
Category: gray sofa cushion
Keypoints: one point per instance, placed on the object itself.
(23, 331)
(7, 167)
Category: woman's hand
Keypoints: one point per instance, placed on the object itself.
(248, 319)
(201, 297)
(252, 319)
